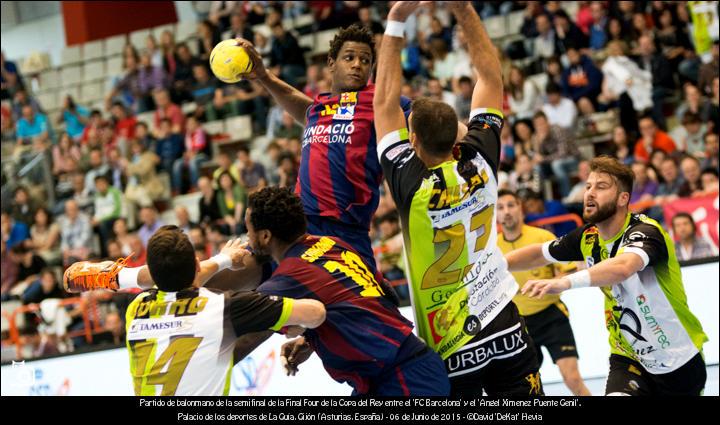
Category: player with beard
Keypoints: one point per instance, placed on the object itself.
(656, 342)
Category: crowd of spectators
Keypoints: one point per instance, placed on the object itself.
(637, 80)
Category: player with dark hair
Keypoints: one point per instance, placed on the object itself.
(181, 336)
(365, 341)
(339, 177)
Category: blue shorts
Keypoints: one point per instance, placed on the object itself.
(422, 375)
(355, 236)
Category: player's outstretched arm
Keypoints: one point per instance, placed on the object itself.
(234, 256)
(307, 313)
(526, 258)
(607, 273)
(488, 92)
(389, 115)
(288, 97)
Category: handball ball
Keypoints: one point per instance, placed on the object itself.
(229, 61)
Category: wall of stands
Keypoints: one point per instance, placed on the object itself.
(107, 372)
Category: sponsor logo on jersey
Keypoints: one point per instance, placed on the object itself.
(474, 356)
(318, 249)
(328, 134)
(441, 198)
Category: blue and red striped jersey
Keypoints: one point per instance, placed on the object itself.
(363, 331)
(339, 171)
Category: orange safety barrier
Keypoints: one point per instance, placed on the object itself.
(88, 307)
(557, 219)
(642, 205)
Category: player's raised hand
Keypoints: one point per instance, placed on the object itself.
(538, 288)
(402, 9)
(237, 251)
(258, 69)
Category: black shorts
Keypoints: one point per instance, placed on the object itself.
(628, 377)
(500, 360)
(551, 329)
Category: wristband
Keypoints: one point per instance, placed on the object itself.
(223, 261)
(579, 279)
(395, 29)
(128, 278)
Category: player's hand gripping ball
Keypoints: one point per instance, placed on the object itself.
(229, 62)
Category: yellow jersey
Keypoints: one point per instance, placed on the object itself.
(530, 235)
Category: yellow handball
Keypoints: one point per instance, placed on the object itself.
(229, 61)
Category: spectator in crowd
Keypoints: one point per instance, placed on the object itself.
(536, 208)
(144, 186)
(252, 174)
(183, 219)
(239, 27)
(65, 156)
(689, 135)
(582, 79)
(224, 165)
(710, 157)
(169, 110)
(709, 71)
(691, 171)
(671, 181)
(127, 88)
(10, 79)
(44, 287)
(689, 245)
(568, 35)
(167, 49)
(598, 37)
(709, 181)
(556, 150)
(22, 208)
(108, 207)
(651, 138)
(138, 254)
(156, 54)
(545, 42)
(29, 266)
(124, 127)
(523, 95)
(644, 189)
(437, 91)
(366, 19)
(232, 199)
(13, 232)
(693, 102)
(286, 55)
(463, 96)
(209, 37)
(169, 146)
(525, 176)
(287, 170)
(75, 117)
(204, 88)
(183, 74)
(559, 110)
(98, 167)
(389, 251)
(652, 61)
(577, 193)
(150, 224)
(75, 234)
(197, 147)
(45, 237)
(288, 129)
(122, 235)
(32, 128)
(208, 204)
(623, 76)
(82, 197)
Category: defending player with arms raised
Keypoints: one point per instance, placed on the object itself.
(655, 341)
(461, 290)
(181, 336)
(364, 341)
(546, 318)
(339, 178)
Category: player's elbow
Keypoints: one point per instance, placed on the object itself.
(313, 313)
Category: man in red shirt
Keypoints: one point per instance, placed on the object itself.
(124, 127)
(651, 138)
(164, 108)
